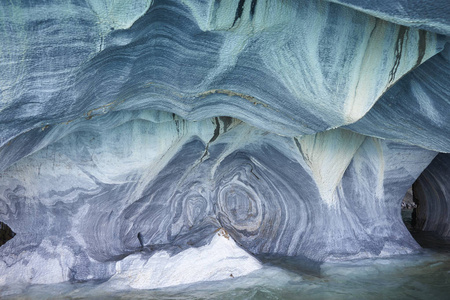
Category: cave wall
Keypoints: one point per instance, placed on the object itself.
(430, 15)
(257, 64)
(159, 182)
(431, 192)
(131, 132)
(415, 110)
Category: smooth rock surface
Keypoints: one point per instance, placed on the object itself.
(415, 110)
(431, 191)
(61, 62)
(220, 259)
(429, 15)
(164, 184)
(130, 132)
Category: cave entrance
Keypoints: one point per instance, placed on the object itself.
(410, 209)
(426, 206)
(6, 233)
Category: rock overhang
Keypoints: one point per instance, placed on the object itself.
(155, 124)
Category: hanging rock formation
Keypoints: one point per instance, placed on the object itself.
(133, 134)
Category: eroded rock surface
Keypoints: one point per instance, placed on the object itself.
(431, 190)
(109, 198)
(130, 132)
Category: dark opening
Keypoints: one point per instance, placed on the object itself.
(413, 215)
(409, 207)
(5, 233)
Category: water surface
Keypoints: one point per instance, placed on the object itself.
(418, 276)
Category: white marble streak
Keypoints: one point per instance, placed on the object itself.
(221, 259)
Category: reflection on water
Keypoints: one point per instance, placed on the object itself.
(426, 239)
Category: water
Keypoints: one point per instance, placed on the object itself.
(419, 276)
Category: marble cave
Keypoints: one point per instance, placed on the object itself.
(150, 144)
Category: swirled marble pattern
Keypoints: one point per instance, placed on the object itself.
(133, 132)
(252, 66)
(415, 110)
(429, 15)
(110, 199)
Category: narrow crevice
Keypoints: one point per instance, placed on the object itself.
(239, 10)
(253, 8)
(6, 233)
(402, 33)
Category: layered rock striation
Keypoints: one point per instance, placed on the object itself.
(431, 191)
(132, 135)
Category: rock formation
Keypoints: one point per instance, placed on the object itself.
(133, 133)
(432, 192)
